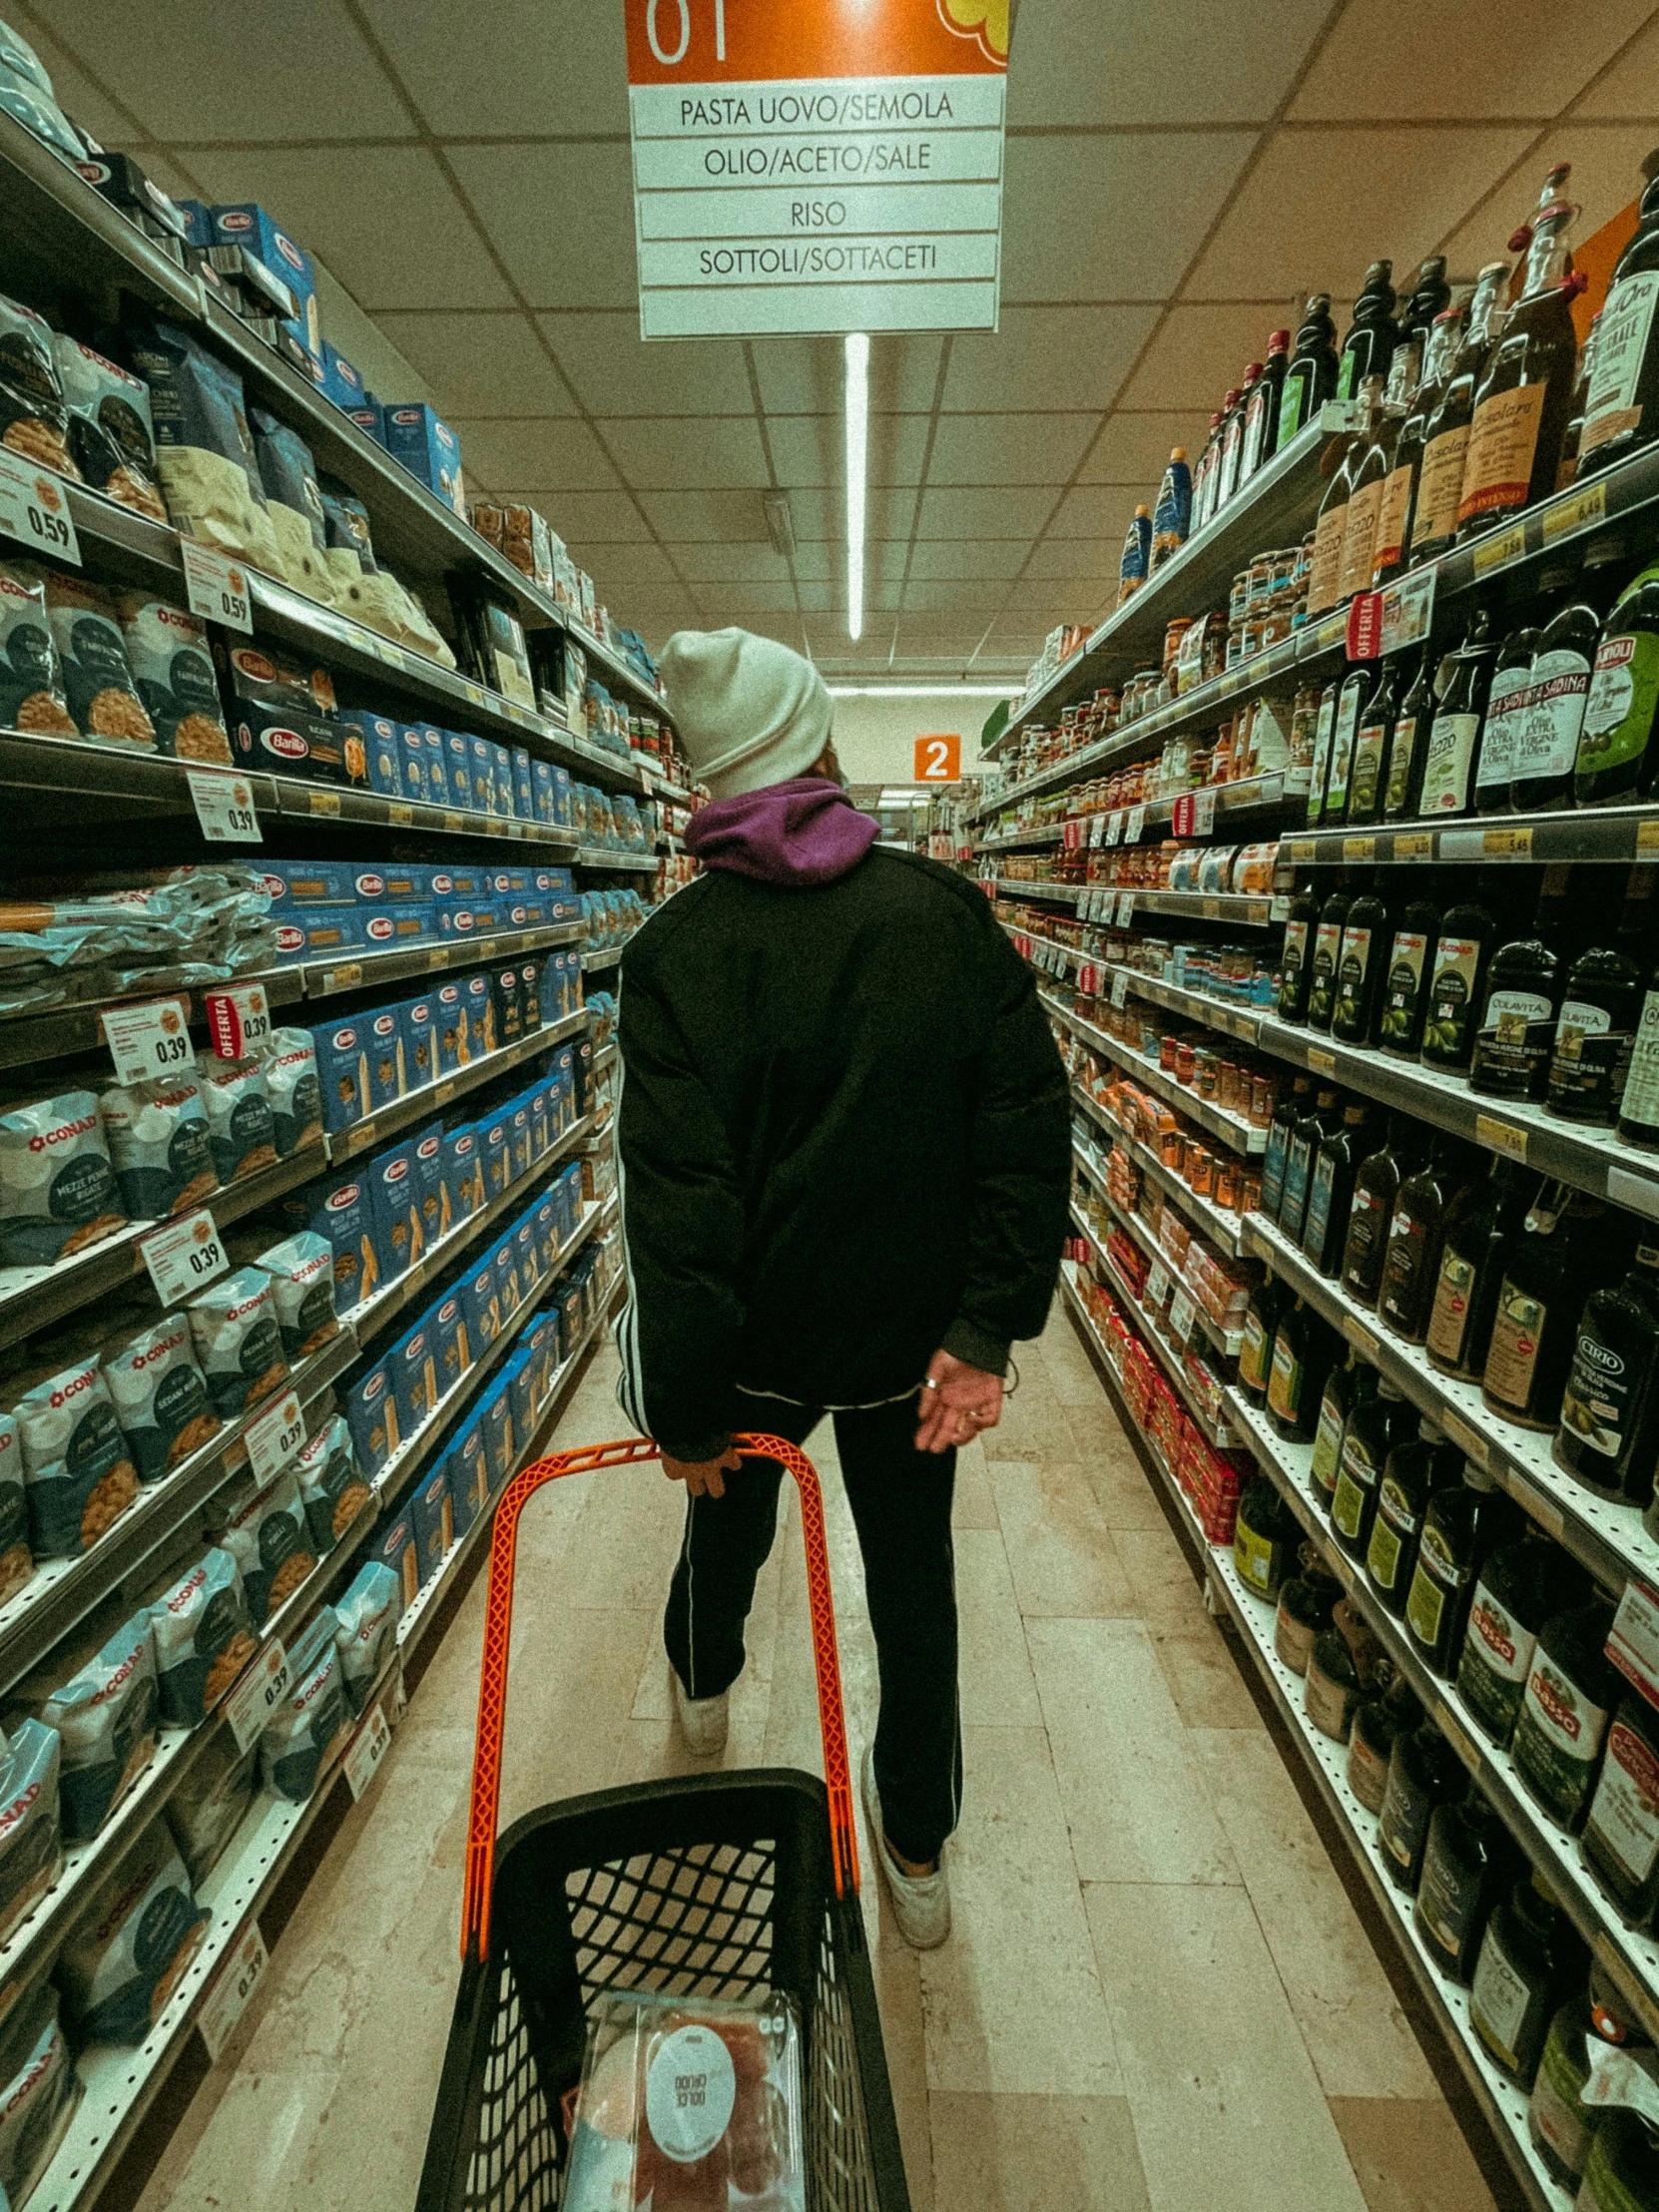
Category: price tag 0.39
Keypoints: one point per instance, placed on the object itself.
(148, 1040)
(224, 807)
(184, 1256)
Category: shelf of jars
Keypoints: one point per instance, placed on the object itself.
(1232, 1129)
(1154, 1332)
(1225, 1340)
(1224, 1228)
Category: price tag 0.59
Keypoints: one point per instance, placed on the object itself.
(274, 1438)
(34, 508)
(148, 1040)
(184, 1256)
(216, 585)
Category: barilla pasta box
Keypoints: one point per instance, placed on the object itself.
(463, 1189)
(437, 764)
(307, 884)
(387, 927)
(287, 743)
(338, 1210)
(543, 1342)
(509, 1291)
(495, 1152)
(570, 1314)
(547, 1235)
(518, 1139)
(496, 1415)
(529, 991)
(456, 886)
(482, 766)
(436, 1218)
(316, 933)
(342, 380)
(469, 1476)
(519, 1375)
(480, 1304)
(446, 1325)
(564, 806)
(481, 1033)
(250, 227)
(458, 754)
(384, 1051)
(394, 1209)
(456, 917)
(432, 1514)
(541, 1122)
(389, 883)
(396, 1548)
(542, 803)
(413, 1363)
(450, 1023)
(343, 1071)
(530, 1269)
(367, 417)
(420, 439)
(380, 735)
(501, 773)
(371, 1416)
(420, 1042)
(509, 1004)
(417, 766)
(524, 785)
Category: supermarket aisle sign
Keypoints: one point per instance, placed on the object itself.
(816, 166)
(939, 760)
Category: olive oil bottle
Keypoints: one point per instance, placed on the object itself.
(1447, 439)
(1310, 379)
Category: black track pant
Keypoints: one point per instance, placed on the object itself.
(900, 1500)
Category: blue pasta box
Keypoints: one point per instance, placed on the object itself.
(384, 1041)
(542, 804)
(458, 754)
(483, 774)
(518, 1377)
(420, 1047)
(387, 927)
(405, 883)
(496, 1153)
(433, 1514)
(563, 907)
(518, 1139)
(371, 1416)
(469, 1476)
(571, 1318)
(541, 1125)
(502, 884)
(569, 1186)
(447, 1324)
(530, 1269)
(413, 1367)
(449, 1021)
(501, 772)
(543, 1342)
(547, 1234)
(251, 227)
(366, 417)
(481, 1305)
(456, 917)
(457, 886)
(497, 1414)
(394, 1209)
(463, 1183)
(337, 1210)
(437, 764)
(342, 380)
(509, 1290)
(294, 883)
(564, 1067)
(417, 766)
(380, 750)
(420, 439)
(524, 785)
(316, 933)
(529, 991)
(436, 1218)
(553, 987)
(481, 1033)
(396, 1548)
(524, 913)
(341, 1072)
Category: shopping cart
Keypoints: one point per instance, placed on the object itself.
(702, 1886)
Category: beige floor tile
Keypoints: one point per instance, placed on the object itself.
(620, 1553)
(897, 1971)
(972, 1503)
(572, 1687)
(1133, 1792)
(1123, 1487)
(1204, 1678)
(1072, 1375)
(1033, 1423)
(1013, 2000)
(1166, 1594)
(996, 1686)
(1059, 1548)
(1360, 2040)
(1411, 2157)
(1227, 2108)
(1036, 2154)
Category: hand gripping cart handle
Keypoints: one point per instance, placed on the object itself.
(713, 1885)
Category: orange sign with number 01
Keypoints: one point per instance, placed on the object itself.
(939, 760)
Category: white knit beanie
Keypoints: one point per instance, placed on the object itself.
(749, 712)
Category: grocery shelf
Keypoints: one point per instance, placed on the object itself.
(1608, 1537)
(1051, 832)
(593, 961)
(1610, 833)
(1232, 1129)
(1633, 1957)
(599, 856)
(1058, 894)
(1231, 1021)
(1157, 1342)
(1223, 1229)
(1502, 2105)
(430, 1098)
(1224, 1340)
(57, 1033)
(1238, 909)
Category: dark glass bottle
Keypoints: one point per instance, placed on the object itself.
(1303, 1349)
(1306, 1602)
(1408, 744)
(1479, 1222)
(1621, 406)
(1262, 409)
(1595, 1030)
(1357, 686)
(1399, 492)
(1378, 1725)
(1521, 1585)
(1530, 1957)
(1349, 1386)
(1324, 726)
(1639, 1106)
(1327, 943)
(1447, 439)
(1415, 1228)
(1288, 1110)
(1467, 1856)
(1296, 969)
(1371, 1432)
(1310, 379)
(1567, 1705)
(1621, 1833)
(1451, 764)
(1458, 984)
(1508, 702)
(1463, 1523)
(1525, 987)
(1609, 1432)
(1430, 296)
(1331, 1192)
(1415, 1470)
(1520, 409)
(1325, 575)
(1574, 435)
(1306, 1138)
(1361, 971)
(1548, 1271)
(1372, 335)
(1423, 1772)
(1367, 780)
(1204, 476)
(1404, 999)
(1375, 1188)
(1616, 754)
(1557, 2119)
(1558, 685)
(1269, 1302)
(1375, 437)
(1264, 1539)
(1233, 435)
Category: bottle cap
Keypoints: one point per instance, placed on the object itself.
(1279, 342)
(1231, 399)
(1178, 452)
(1139, 511)
(1253, 373)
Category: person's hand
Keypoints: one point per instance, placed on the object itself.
(703, 1477)
(959, 1402)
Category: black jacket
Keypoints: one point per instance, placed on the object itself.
(844, 1143)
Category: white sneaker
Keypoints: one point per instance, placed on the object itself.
(703, 1720)
(921, 1901)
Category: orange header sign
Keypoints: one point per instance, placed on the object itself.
(715, 41)
(939, 760)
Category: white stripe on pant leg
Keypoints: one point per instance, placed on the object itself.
(691, 1610)
(630, 1382)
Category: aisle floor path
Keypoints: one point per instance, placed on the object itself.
(1157, 1994)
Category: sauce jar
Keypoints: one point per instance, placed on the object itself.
(1229, 1185)
(1173, 631)
(1261, 1101)
(1184, 1057)
(1238, 599)
(1169, 1050)
(1200, 1171)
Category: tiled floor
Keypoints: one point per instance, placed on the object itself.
(1157, 1994)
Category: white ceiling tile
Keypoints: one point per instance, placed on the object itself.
(889, 511)
(729, 564)
(1073, 562)
(967, 557)
(1055, 600)
(734, 517)
(561, 216)
(1116, 61)
(929, 595)
(617, 373)
(596, 517)
(382, 216)
(1630, 89)
(515, 66)
(1606, 176)
(1497, 58)
(240, 69)
(808, 451)
(1200, 351)
(1163, 193)
(1135, 449)
(677, 454)
(1300, 224)
(645, 569)
(824, 562)
(1045, 359)
(1099, 512)
(808, 375)
(985, 514)
(479, 365)
(920, 635)
(1008, 449)
(547, 453)
(740, 599)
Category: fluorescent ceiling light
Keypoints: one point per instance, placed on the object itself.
(857, 441)
(923, 691)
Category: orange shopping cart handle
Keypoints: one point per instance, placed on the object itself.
(498, 1622)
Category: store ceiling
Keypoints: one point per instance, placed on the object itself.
(1178, 176)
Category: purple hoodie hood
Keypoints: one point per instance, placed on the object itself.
(804, 831)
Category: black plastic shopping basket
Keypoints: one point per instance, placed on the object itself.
(709, 1885)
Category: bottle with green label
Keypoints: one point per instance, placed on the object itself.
(1287, 1109)
(1357, 686)
(1269, 1302)
(1371, 1432)
(1327, 942)
(1621, 2167)
(1361, 968)
(1296, 971)
(1461, 1525)
(1451, 761)
(1547, 734)
(1404, 1002)
(1526, 984)
(1521, 1585)
(1639, 1107)
(1265, 1538)
(1558, 2121)
(1331, 1190)
(1621, 1832)
(1369, 777)
(1414, 1471)
(1569, 1696)
(1548, 1271)
(1304, 1350)
(1306, 1138)
(1530, 1957)
(1323, 724)
(1373, 335)
(1375, 1189)
(1310, 379)
(1616, 754)
(1347, 1385)
(1621, 406)
(1478, 1225)
(1423, 1772)
(1506, 699)
(1467, 1859)
(1458, 984)
(1403, 779)
(1416, 1229)
(1595, 1030)
(1609, 1433)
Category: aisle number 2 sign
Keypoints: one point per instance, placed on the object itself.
(939, 760)
(816, 164)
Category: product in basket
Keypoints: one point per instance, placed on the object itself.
(38, 2089)
(167, 651)
(268, 1535)
(106, 1717)
(103, 703)
(34, 418)
(31, 1834)
(202, 1638)
(158, 1137)
(331, 1487)
(160, 1398)
(120, 1967)
(203, 448)
(77, 1472)
(32, 697)
(688, 2102)
(111, 437)
(234, 1321)
(206, 1808)
(312, 1717)
(288, 1060)
(301, 1271)
(367, 1621)
(240, 1129)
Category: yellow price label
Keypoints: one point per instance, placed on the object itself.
(1500, 1136)
(1360, 1338)
(1577, 512)
(324, 803)
(1647, 836)
(443, 1094)
(1498, 550)
(453, 821)
(438, 956)
(1211, 910)
(343, 979)
(1298, 850)
(400, 816)
(1514, 844)
(1535, 1503)
(1414, 845)
(1320, 1061)
(1358, 848)
(1457, 1736)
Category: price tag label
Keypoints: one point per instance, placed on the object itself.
(1183, 1316)
(1633, 1642)
(232, 1994)
(1301, 850)
(257, 1696)
(1320, 1061)
(368, 1748)
(1181, 815)
(324, 803)
(1096, 830)
(1358, 848)
(1647, 835)
(224, 807)
(215, 587)
(34, 508)
(1499, 549)
(1137, 824)
(1533, 1504)
(1126, 908)
(274, 1438)
(237, 1019)
(344, 979)
(1158, 1283)
(1414, 845)
(453, 820)
(1114, 826)
(1203, 814)
(1579, 511)
(1507, 844)
(184, 1256)
(1120, 986)
(1409, 609)
(398, 814)
(1278, 909)
(1211, 910)
(1360, 1338)
(1500, 1136)
(148, 1040)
